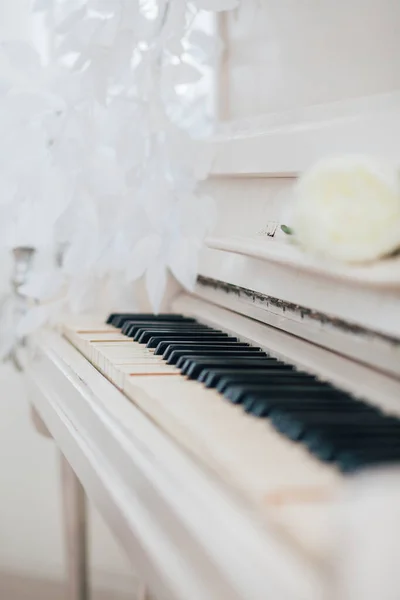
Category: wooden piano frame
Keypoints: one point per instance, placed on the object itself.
(180, 526)
(184, 531)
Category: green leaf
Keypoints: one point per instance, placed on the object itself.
(287, 230)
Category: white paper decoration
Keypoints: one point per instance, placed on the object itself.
(99, 166)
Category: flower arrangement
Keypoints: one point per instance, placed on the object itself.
(347, 209)
(99, 165)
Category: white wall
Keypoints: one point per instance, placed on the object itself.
(30, 509)
(285, 54)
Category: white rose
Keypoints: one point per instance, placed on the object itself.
(348, 209)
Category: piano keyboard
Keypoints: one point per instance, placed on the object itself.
(282, 438)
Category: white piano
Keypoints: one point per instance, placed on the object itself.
(209, 501)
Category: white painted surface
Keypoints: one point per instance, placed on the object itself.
(240, 253)
(286, 144)
(289, 53)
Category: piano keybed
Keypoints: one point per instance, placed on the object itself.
(283, 439)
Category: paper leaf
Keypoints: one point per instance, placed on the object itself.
(183, 262)
(156, 282)
(144, 253)
(107, 8)
(174, 45)
(22, 57)
(198, 217)
(82, 293)
(206, 213)
(216, 5)
(107, 33)
(130, 12)
(149, 9)
(42, 5)
(203, 47)
(180, 74)
(104, 176)
(24, 106)
(79, 256)
(4, 88)
(33, 320)
(287, 230)
(75, 17)
(43, 285)
(176, 20)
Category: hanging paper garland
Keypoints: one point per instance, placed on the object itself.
(98, 164)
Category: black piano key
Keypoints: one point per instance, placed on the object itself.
(351, 461)
(179, 357)
(296, 424)
(234, 361)
(342, 436)
(231, 377)
(180, 337)
(166, 350)
(275, 376)
(261, 408)
(338, 421)
(310, 398)
(130, 327)
(241, 377)
(138, 316)
(237, 393)
(137, 332)
(190, 334)
(113, 316)
(327, 448)
(222, 378)
(284, 387)
(331, 408)
(193, 367)
(119, 319)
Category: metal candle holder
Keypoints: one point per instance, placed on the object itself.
(23, 262)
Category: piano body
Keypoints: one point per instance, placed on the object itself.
(210, 500)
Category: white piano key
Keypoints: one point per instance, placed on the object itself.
(87, 325)
(288, 485)
(156, 368)
(243, 443)
(104, 336)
